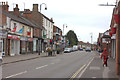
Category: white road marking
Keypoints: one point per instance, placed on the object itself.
(93, 77)
(52, 63)
(85, 68)
(94, 68)
(41, 67)
(16, 74)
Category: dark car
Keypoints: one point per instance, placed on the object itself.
(88, 49)
(81, 49)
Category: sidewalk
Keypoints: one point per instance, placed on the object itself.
(22, 57)
(96, 69)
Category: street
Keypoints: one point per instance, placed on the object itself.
(67, 65)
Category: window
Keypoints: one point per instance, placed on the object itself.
(14, 25)
(46, 22)
(23, 29)
(35, 32)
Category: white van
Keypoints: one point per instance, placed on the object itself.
(75, 48)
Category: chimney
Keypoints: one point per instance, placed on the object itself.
(4, 6)
(27, 14)
(35, 7)
(16, 10)
(51, 19)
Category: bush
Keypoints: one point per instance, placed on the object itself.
(49, 50)
(58, 49)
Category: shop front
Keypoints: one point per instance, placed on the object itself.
(3, 36)
(35, 45)
(13, 45)
(23, 47)
(113, 48)
(29, 45)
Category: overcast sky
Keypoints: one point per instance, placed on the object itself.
(81, 16)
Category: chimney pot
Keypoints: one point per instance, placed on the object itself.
(6, 3)
(2, 3)
(35, 7)
(16, 5)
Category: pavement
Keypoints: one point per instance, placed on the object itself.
(95, 67)
(22, 57)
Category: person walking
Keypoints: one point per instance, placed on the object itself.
(105, 57)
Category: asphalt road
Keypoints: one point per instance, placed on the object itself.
(67, 65)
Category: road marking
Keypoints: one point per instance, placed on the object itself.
(93, 77)
(41, 67)
(94, 68)
(52, 63)
(16, 74)
(85, 68)
(78, 71)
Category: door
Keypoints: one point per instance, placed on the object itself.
(12, 48)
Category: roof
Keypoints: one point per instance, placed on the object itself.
(20, 19)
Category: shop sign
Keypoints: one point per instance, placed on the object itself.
(3, 34)
(30, 39)
(23, 38)
(28, 33)
(13, 37)
(113, 36)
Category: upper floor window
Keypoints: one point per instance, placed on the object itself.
(14, 25)
(46, 22)
(35, 31)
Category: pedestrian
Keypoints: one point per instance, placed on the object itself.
(105, 57)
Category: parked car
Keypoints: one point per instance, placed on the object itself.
(67, 50)
(88, 49)
(71, 49)
(75, 48)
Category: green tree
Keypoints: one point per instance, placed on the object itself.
(71, 36)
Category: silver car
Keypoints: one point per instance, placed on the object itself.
(67, 50)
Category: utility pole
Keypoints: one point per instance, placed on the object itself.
(91, 39)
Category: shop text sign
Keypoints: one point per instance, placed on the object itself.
(13, 37)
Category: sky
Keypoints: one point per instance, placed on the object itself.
(84, 17)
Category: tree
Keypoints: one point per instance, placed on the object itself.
(71, 36)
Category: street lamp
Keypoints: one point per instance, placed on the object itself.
(39, 27)
(64, 25)
(41, 6)
(91, 38)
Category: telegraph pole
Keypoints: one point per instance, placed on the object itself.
(91, 39)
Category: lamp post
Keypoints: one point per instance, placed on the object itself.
(64, 25)
(91, 39)
(39, 27)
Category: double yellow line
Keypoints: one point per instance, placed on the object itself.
(77, 72)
